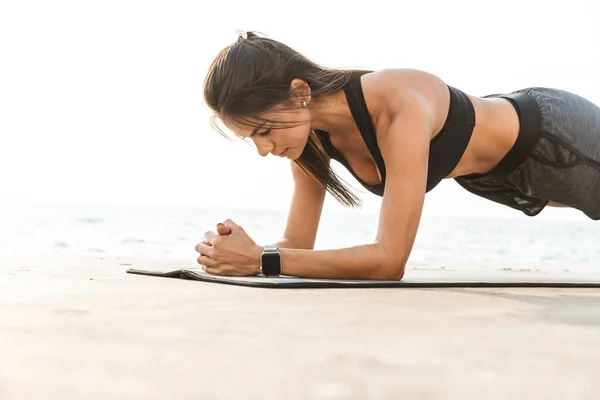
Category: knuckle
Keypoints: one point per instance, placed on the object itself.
(204, 259)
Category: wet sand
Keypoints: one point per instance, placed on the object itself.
(73, 328)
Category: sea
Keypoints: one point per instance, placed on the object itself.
(173, 232)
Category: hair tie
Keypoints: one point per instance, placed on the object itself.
(241, 34)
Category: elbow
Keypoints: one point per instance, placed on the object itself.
(390, 270)
(394, 272)
(392, 262)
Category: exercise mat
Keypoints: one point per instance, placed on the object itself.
(414, 278)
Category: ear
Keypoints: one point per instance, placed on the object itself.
(300, 91)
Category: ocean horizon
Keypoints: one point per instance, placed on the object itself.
(173, 231)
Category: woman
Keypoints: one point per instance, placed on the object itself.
(399, 132)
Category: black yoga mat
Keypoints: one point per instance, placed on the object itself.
(415, 278)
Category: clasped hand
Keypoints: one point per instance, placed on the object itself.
(229, 251)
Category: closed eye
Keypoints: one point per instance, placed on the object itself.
(255, 131)
(265, 133)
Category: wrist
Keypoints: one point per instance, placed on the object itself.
(257, 259)
(270, 261)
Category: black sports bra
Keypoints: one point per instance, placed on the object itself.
(445, 149)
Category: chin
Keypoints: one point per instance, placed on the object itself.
(301, 149)
(292, 155)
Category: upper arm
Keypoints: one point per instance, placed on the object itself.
(305, 209)
(405, 150)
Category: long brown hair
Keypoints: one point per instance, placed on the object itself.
(254, 74)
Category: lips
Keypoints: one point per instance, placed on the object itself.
(283, 153)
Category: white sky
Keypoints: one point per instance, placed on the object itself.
(101, 102)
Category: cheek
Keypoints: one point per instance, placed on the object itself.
(295, 136)
(292, 136)
(302, 133)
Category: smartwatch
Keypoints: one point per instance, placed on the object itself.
(270, 261)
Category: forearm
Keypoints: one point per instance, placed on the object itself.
(287, 244)
(357, 262)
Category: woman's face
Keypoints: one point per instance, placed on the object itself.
(285, 134)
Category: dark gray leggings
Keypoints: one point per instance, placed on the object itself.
(556, 157)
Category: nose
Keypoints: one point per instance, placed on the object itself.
(263, 150)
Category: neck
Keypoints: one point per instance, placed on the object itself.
(331, 114)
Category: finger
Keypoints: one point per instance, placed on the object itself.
(210, 235)
(222, 270)
(207, 262)
(232, 225)
(223, 230)
(203, 249)
(211, 270)
(214, 240)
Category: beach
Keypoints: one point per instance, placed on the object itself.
(80, 327)
(113, 158)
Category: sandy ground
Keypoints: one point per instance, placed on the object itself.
(81, 328)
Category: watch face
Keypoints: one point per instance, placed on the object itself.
(271, 263)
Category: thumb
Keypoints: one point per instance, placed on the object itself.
(223, 230)
(233, 227)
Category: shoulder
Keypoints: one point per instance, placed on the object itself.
(401, 94)
(403, 76)
(400, 87)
